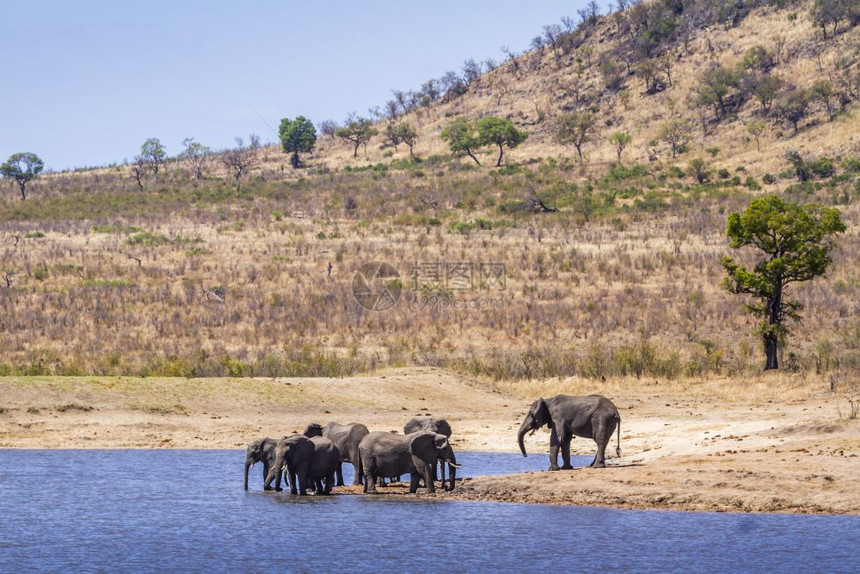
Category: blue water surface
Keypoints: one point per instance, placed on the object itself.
(186, 511)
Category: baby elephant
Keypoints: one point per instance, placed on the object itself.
(307, 461)
(386, 454)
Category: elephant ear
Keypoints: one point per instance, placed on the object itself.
(423, 445)
(540, 411)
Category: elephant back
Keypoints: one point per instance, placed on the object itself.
(439, 426)
(343, 434)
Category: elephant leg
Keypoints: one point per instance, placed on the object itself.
(553, 450)
(339, 474)
(565, 454)
(413, 482)
(266, 485)
(293, 481)
(369, 481)
(429, 472)
(356, 477)
(602, 436)
(302, 479)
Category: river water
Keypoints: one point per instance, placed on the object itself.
(186, 511)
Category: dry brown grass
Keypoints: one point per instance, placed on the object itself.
(630, 288)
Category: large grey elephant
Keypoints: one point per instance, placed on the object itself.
(346, 438)
(306, 461)
(386, 454)
(593, 417)
(261, 450)
(439, 426)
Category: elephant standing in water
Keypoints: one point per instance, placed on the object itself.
(387, 454)
(261, 450)
(593, 417)
(306, 461)
(346, 438)
(439, 426)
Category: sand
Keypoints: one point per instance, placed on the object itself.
(725, 446)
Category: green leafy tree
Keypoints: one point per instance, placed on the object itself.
(153, 152)
(822, 91)
(575, 129)
(462, 139)
(714, 87)
(357, 132)
(23, 167)
(793, 107)
(796, 241)
(500, 132)
(766, 89)
(196, 154)
(699, 169)
(297, 136)
(401, 133)
(620, 140)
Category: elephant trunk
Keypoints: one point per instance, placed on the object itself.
(248, 465)
(522, 435)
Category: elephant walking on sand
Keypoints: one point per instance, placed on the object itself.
(387, 454)
(592, 417)
(261, 450)
(346, 438)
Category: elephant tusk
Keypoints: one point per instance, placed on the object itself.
(455, 465)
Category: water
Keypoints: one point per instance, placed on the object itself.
(186, 511)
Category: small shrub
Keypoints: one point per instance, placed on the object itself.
(752, 184)
(148, 239)
(768, 179)
(823, 167)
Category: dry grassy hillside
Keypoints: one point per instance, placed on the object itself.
(191, 277)
(538, 86)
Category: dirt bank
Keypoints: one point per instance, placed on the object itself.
(770, 445)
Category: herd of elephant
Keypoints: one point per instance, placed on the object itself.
(312, 461)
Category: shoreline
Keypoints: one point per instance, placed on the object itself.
(771, 445)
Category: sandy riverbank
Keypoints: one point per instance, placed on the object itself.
(775, 444)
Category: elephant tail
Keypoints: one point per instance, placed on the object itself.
(618, 444)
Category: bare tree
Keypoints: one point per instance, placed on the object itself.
(328, 128)
(240, 160)
(139, 169)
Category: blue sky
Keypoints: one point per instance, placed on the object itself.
(85, 82)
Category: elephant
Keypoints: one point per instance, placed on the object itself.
(292, 454)
(440, 426)
(261, 450)
(307, 461)
(346, 439)
(387, 454)
(593, 416)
